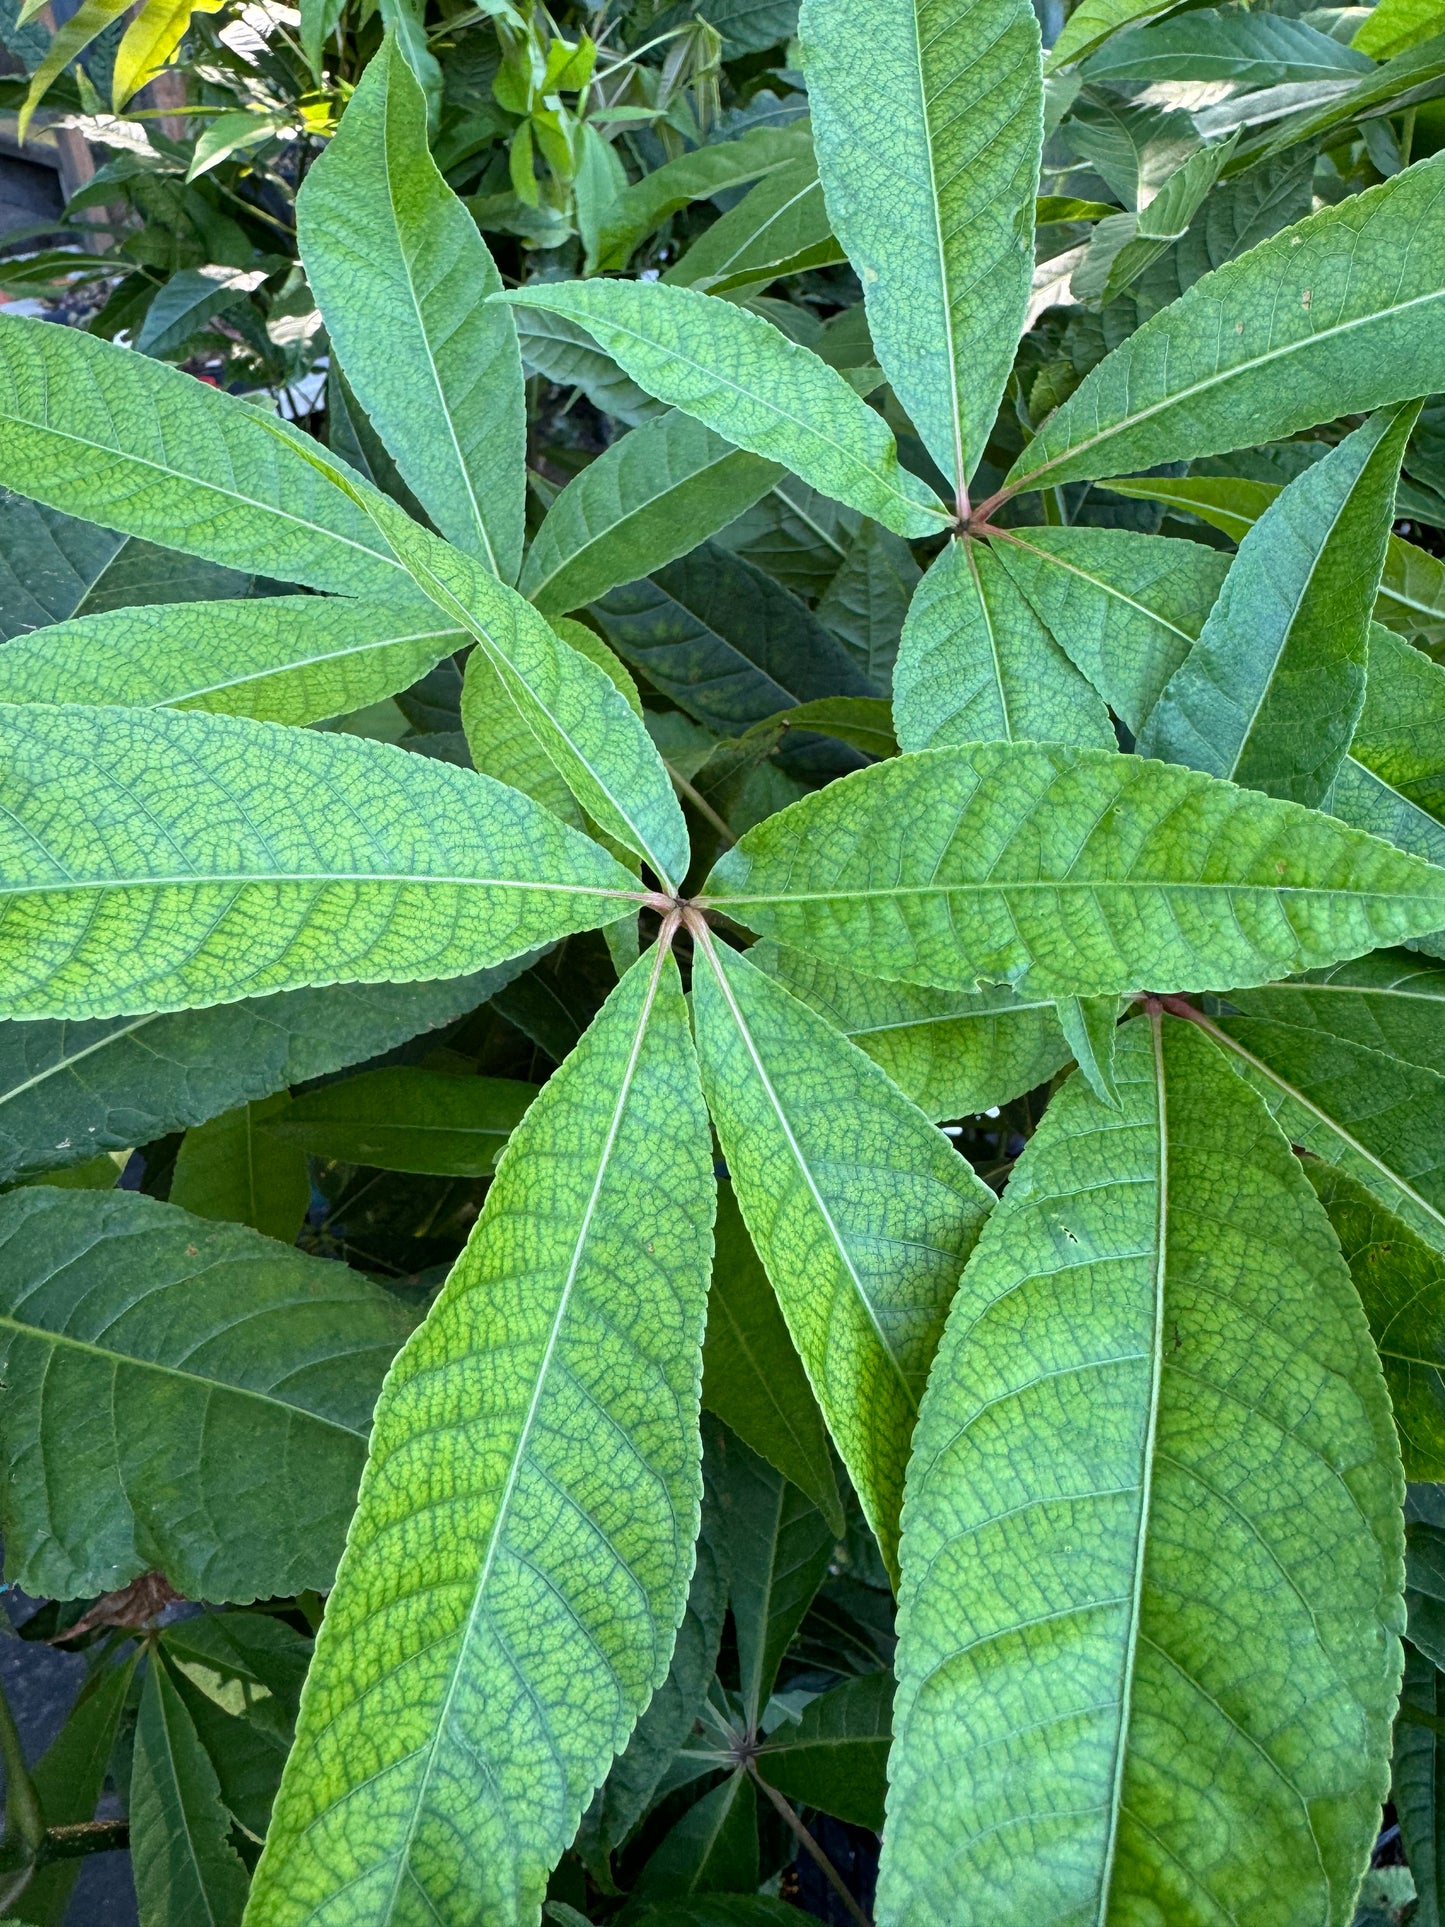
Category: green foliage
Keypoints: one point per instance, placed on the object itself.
(957, 630)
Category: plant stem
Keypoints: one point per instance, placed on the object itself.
(809, 1844)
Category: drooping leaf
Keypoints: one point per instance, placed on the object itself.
(779, 227)
(185, 1397)
(861, 1212)
(402, 275)
(98, 432)
(566, 354)
(1126, 607)
(952, 1052)
(232, 1169)
(740, 375)
(283, 659)
(928, 121)
(1155, 1340)
(726, 643)
(752, 1376)
(1066, 872)
(975, 664)
(69, 1090)
(836, 1757)
(1338, 314)
(1270, 694)
(189, 302)
(779, 1545)
(697, 176)
(149, 42)
(1133, 147)
(519, 1562)
(1401, 1283)
(124, 889)
(404, 1119)
(186, 1870)
(648, 498)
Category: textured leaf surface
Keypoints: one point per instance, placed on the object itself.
(283, 659)
(98, 432)
(1270, 694)
(68, 1091)
(1251, 50)
(186, 1869)
(1126, 607)
(157, 860)
(1337, 315)
(1392, 783)
(953, 1052)
(836, 1757)
(752, 1376)
(868, 599)
(402, 276)
(1394, 25)
(647, 499)
(708, 170)
(1401, 1283)
(1067, 872)
(405, 1119)
(184, 1397)
(1093, 21)
(861, 1212)
(779, 227)
(740, 375)
(975, 664)
(927, 118)
(1155, 1341)
(520, 1558)
(231, 1169)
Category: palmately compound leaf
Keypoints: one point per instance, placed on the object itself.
(1338, 314)
(1127, 607)
(1401, 1282)
(1067, 873)
(953, 1052)
(740, 375)
(1270, 694)
(68, 1090)
(1148, 1632)
(519, 1561)
(152, 860)
(928, 119)
(976, 665)
(861, 1212)
(183, 1397)
(279, 659)
(113, 437)
(648, 498)
(402, 275)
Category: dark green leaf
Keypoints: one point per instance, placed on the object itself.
(187, 1873)
(232, 1169)
(836, 1757)
(406, 1120)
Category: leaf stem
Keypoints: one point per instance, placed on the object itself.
(810, 1846)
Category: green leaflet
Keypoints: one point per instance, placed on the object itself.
(1349, 1060)
(1066, 872)
(184, 1396)
(284, 857)
(281, 659)
(779, 227)
(1093, 21)
(697, 176)
(752, 1377)
(836, 1757)
(976, 665)
(557, 348)
(68, 1778)
(402, 276)
(1251, 50)
(868, 599)
(1154, 1340)
(117, 438)
(953, 1052)
(740, 375)
(404, 1119)
(186, 1869)
(861, 1212)
(1417, 1788)
(70, 1090)
(1127, 607)
(1389, 29)
(519, 1561)
(1392, 783)
(1412, 587)
(575, 709)
(232, 1169)
(1391, 84)
(863, 722)
(1123, 246)
(928, 116)
(649, 497)
(1090, 1026)
(1270, 694)
(798, 536)
(1401, 1283)
(713, 1846)
(1338, 314)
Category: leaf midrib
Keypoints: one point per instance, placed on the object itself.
(196, 880)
